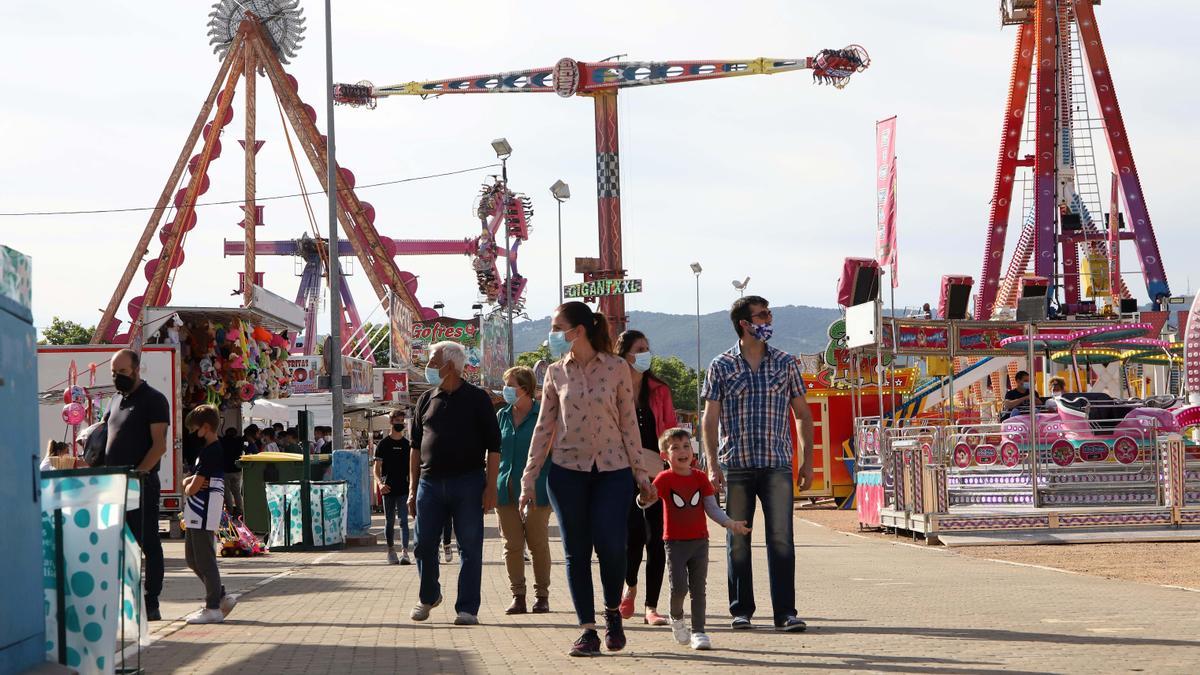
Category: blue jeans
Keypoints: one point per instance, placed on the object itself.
(772, 487)
(460, 498)
(394, 507)
(593, 513)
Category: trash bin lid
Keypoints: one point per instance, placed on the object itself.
(274, 457)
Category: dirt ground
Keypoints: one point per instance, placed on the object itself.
(1171, 564)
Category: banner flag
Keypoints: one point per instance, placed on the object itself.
(885, 198)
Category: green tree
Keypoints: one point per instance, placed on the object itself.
(682, 380)
(377, 334)
(530, 359)
(62, 332)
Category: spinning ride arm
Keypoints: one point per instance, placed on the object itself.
(601, 81)
(570, 78)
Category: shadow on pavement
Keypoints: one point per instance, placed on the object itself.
(995, 635)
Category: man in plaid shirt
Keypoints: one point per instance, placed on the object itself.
(750, 391)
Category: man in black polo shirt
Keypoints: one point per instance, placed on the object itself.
(392, 465)
(137, 437)
(453, 475)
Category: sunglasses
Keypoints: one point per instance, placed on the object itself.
(765, 315)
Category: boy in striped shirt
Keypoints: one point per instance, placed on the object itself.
(204, 492)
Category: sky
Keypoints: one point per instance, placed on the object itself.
(767, 177)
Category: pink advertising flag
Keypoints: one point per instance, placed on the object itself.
(885, 204)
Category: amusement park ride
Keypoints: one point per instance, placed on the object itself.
(601, 82)
(257, 37)
(1117, 455)
(497, 206)
(1058, 53)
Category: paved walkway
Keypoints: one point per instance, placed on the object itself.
(871, 605)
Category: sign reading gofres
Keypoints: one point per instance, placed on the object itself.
(602, 287)
(463, 331)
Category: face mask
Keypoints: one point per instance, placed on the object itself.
(433, 376)
(123, 383)
(641, 362)
(1023, 386)
(763, 331)
(558, 343)
(510, 395)
(398, 428)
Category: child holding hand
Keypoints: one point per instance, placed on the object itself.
(687, 496)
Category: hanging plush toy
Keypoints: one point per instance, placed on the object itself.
(173, 327)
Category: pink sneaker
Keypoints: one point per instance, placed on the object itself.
(654, 618)
(627, 601)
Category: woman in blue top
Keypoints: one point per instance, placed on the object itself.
(517, 420)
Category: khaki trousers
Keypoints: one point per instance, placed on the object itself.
(534, 533)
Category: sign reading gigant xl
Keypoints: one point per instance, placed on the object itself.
(602, 287)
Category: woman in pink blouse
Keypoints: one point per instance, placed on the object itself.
(588, 425)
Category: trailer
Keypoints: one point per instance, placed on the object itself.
(160, 368)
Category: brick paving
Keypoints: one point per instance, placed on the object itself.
(872, 606)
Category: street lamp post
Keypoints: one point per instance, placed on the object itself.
(697, 269)
(335, 272)
(561, 192)
(503, 152)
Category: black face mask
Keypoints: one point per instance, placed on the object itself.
(123, 383)
(398, 427)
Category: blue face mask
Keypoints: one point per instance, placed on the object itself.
(763, 331)
(1023, 386)
(433, 376)
(641, 362)
(510, 395)
(558, 343)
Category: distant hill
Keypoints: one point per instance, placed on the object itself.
(798, 329)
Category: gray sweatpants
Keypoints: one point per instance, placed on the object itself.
(199, 549)
(687, 561)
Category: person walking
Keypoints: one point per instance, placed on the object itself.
(232, 447)
(453, 474)
(749, 392)
(587, 425)
(202, 514)
(655, 415)
(688, 495)
(529, 528)
(391, 470)
(137, 437)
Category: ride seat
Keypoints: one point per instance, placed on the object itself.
(1101, 410)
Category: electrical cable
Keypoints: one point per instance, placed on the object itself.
(242, 200)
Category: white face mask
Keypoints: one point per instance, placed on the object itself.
(642, 361)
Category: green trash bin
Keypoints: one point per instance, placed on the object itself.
(273, 467)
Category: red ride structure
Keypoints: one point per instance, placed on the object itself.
(602, 81)
(1058, 54)
(254, 38)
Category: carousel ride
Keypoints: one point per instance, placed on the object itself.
(1117, 455)
(253, 39)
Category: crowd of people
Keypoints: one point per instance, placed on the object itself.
(599, 446)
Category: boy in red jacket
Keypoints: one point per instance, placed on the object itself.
(687, 496)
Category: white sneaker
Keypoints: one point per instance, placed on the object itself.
(465, 619)
(404, 559)
(207, 616)
(228, 603)
(447, 554)
(421, 611)
(700, 641)
(679, 629)
(391, 557)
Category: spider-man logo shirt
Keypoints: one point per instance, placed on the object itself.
(683, 502)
